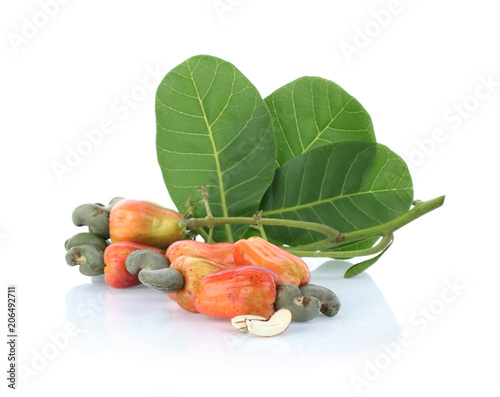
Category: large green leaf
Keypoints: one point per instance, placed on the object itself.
(312, 111)
(214, 129)
(347, 185)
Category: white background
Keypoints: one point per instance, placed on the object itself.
(420, 67)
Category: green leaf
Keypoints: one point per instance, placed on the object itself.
(214, 129)
(349, 185)
(312, 111)
(362, 266)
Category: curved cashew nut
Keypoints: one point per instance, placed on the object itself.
(330, 303)
(277, 324)
(86, 239)
(145, 260)
(89, 258)
(114, 201)
(95, 216)
(167, 280)
(303, 308)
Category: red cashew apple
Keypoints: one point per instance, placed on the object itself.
(115, 270)
(218, 252)
(194, 269)
(257, 251)
(237, 291)
(145, 223)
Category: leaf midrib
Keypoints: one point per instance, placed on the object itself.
(320, 133)
(216, 154)
(329, 200)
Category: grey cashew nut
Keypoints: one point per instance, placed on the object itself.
(303, 308)
(114, 201)
(145, 259)
(330, 303)
(88, 258)
(95, 216)
(167, 280)
(86, 239)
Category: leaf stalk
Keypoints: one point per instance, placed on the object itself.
(334, 238)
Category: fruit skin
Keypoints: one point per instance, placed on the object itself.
(218, 252)
(115, 255)
(242, 290)
(257, 251)
(194, 268)
(145, 223)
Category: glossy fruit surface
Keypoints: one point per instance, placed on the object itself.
(145, 223)
(194, 269)
(218, 252)
(115, 271)
(238, 291)
(257, 251)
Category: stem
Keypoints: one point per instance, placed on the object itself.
(204, 200)
(195, 223)
(386, 240)
(202, 233)
(206, 204)
(334, 238)
(420, 208)
(258, 220)
(318, 245)
(188, 211)
(210, 235)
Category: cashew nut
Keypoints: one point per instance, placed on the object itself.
(145, 259)
(303, 308)
(114, 201)
(167, 280)
(277, 324)
(330, 303)
(89, 258)
(86, 239)
(239, 323)
(95, 216)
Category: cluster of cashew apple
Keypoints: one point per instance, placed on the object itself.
(114, 231)
(87, 249)
(133, 242)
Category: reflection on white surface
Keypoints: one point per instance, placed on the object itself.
(146, 325)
